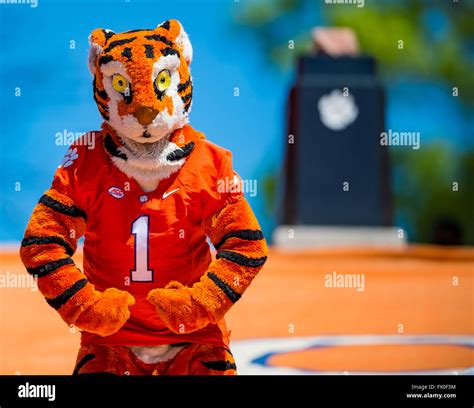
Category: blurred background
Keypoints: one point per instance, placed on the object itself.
(243, 62)
(245, 45)
(412, 308)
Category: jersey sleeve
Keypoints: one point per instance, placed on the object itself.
(224, 186)
(68, 178)
(58, 221)
(238, 238)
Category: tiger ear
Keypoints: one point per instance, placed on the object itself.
(97, 41)
(174, 31)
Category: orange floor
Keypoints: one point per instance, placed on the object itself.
(410, 293)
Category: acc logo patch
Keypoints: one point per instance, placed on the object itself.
(116, 192)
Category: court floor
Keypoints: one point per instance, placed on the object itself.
(338, 311)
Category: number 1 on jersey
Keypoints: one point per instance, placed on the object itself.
(141, 230)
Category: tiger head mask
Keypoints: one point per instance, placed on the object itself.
(142, 82)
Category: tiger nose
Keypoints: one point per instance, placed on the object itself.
(145, 115)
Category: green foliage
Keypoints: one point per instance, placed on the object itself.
(270, 192)
(379, 26)
(266, 11)
(432, 183)
(380, 31)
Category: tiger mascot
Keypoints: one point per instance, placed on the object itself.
(146, 195)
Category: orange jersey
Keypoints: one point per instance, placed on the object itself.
(137, 241)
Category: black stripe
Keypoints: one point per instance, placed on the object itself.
(230, 293)
(94, 87)
(149, 52)
(103, 109)
(187, 100)
(158, 37)
(70, 210)
(105, 58)
(184, 85)
(47, 268)
(248, 235)
(240, 259)
(169, 51)
(181, 153)
(165, 25)
(219, 365)
(60, 300)
(83, 362)
(112, 148)
(104, 113)
(137, 30)
(116, 43)
(128, 97)
(108, 34)
(127, 53)
(27, 241)
(187, 97)
(102, 93)
(182, 344)
(186, 108)
(159, 94)
(101, 104)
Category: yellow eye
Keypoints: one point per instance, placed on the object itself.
(163, 80)
(119, 83)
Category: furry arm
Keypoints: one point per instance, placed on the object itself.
(241, 253)
(50, 241)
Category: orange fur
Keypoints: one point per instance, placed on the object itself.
(71, 311)
(55, 283)
(186, 135)
(98, 37)
(140, 68)
(189, 309)
(108, 314)
(178, 310)
(192, 359)
(100, 313)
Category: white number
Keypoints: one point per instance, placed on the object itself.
(140, 228)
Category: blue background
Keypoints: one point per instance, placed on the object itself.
(56, 92)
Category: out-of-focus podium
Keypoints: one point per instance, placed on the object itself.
(336, 178)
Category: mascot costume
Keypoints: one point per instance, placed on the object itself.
(147, 195)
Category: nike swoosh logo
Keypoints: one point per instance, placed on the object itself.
(169, 193)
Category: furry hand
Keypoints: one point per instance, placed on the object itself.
(108, 314)
(177, 308)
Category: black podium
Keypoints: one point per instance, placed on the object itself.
(336, 172)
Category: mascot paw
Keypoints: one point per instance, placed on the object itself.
(108, 314)
(178, 310)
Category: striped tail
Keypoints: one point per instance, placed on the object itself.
(241, 253)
